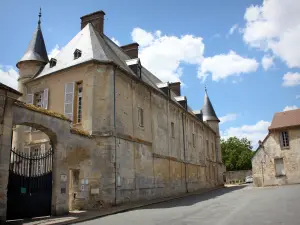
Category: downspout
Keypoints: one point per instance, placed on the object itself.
(115, 130)
(184, 154)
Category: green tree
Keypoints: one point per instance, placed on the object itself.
(237, 153)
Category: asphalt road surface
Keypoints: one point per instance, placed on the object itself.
(241, 205)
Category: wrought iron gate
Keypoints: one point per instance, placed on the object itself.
(29, 185)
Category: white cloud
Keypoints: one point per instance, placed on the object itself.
(225, 65)
(267, 61)
(115, 41)
(232, 29)
(291, 79)
(163, 55)
(143, 37)
(254, 133)
(9, 76)
(227, 118)
(287, 108)
(275, 26)
(54, 51)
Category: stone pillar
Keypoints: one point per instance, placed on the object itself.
(6, 122)
(60, 177)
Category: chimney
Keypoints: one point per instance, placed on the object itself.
(132, 50)
(175, 87)
(96, 18)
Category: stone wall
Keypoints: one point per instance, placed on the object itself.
(7, 100)
(264, 173)
(236, 176)
(151, 162)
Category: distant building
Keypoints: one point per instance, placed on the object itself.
(277, 160)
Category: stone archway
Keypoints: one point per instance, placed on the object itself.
(57, 128)
(73, 149)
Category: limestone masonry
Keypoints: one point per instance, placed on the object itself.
(123, 134)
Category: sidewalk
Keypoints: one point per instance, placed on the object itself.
(80, 216)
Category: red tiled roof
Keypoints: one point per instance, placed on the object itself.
(289, 118)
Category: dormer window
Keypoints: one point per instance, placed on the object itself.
(135, 66)
(77, 54)
(52, 62)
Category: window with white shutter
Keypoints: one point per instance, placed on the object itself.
(45, 98)
(69, 100)
(29, 99)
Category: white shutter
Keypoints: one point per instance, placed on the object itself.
(69, 100)
(29, 99)
(45, 98)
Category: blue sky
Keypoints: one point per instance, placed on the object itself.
(188, 41)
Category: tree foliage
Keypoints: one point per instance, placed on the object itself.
(237, 153)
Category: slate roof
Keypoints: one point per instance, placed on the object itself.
(37, 49)
(208, 111)
(95, 46)
(286, 119)
(92, 46)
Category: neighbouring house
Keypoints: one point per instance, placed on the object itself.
(277, 160)
(148, 142)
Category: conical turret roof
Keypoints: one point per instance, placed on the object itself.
(36, 50)
(208, 111)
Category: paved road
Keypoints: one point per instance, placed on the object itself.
(228, 206)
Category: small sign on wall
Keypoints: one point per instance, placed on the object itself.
(82, 187)
(63, 190)
(63, 178)
(95, 191)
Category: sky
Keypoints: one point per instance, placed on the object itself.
(245, 52)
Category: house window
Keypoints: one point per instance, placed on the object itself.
(194, 140)
(284, 139)
(212, 150)
(77, 54)
(172, 130)
(52, 62)
(79, 102)
(279, 167)
(39, 99)
(207, 147)
(141, 117)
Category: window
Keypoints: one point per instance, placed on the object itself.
(207, 148)
(279, 168)
(172, 130)
(194, 140)
(79, 102)
(212, 150)
(52, 62)
(77, 54)
(284, 139)
(141, 117)
(38, 99)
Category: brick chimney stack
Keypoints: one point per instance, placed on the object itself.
(132, 50)
(95, 18)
